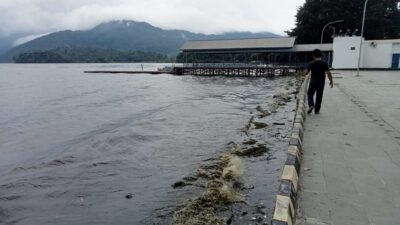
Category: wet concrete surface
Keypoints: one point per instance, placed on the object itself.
(351, 162)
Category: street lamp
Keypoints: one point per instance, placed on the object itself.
(323, 30)
(361, 38)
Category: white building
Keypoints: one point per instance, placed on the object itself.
(376, 54)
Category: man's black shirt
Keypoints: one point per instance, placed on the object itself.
(318, 69)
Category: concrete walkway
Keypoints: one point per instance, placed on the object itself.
(351, 164)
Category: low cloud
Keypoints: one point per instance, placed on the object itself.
(206, 16)
(28, 38)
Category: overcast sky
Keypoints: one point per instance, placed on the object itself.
(207, 16)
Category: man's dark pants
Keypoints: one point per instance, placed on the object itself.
(315, 87)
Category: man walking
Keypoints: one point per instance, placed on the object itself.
(318, 69)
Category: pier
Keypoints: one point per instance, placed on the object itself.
(125, 72)
(216, 70)
(262, 57)
(236, 70)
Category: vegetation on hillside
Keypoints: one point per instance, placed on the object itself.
(382, 19)
(89, 55)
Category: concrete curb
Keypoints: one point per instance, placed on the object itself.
(286, 199)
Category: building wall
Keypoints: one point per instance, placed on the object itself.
(345, 52)
(396, 48)
(377, 54)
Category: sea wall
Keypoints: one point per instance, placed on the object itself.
(286, 200)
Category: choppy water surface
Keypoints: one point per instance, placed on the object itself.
(74, 145)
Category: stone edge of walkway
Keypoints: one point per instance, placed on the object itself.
(284, 212)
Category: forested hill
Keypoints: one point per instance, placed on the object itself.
(89, 55)
(126, 36)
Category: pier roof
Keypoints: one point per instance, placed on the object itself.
(312, 47)
(240, 44)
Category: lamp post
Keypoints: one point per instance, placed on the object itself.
(361, 38)
(328, 24)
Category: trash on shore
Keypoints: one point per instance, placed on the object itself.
(290, 83)
(255, 151)
(263, 112)
(253, 125)
(234, 168)
(250, 142)
(248, 126)
(190, 178)
(259, 125)
(218, 191)
(280, 99)
(129, 196)
(181, 184)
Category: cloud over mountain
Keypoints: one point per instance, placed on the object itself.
(206, 16)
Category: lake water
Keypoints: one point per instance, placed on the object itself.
(73, 145)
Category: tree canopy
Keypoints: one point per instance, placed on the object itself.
(382, 19)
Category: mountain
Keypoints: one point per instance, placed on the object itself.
(123, 36)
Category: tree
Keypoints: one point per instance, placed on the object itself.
(382, 19)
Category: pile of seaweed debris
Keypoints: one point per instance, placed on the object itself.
(222, 188)
(221, 180)
(221, 177)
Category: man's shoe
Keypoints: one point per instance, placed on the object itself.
(310, 110)
(316, 112)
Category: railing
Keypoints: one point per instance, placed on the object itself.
(238, 65)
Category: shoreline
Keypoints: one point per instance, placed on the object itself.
(245, 153)
(285, 211)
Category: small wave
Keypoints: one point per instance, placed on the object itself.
(53, 163)
(60, 162)
(10, 198)
(104, 163)
(57, 194)
(24, 183)
(70, 97)
(4, 215)
(22, 169)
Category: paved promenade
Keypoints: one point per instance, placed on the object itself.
(351, 164)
